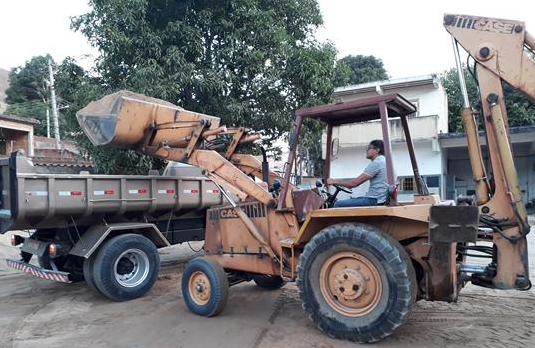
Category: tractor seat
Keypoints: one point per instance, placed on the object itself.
(392, 194)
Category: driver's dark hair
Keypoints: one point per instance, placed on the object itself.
(378, 144)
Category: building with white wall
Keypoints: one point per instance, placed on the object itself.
(431, 119)
(442, 157)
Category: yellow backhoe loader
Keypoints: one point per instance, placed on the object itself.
(359, 270)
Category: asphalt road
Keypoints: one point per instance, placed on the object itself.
(40, 313)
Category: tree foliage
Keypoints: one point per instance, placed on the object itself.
(29, 96)
(352, 70)
(250, 62)
(520, 111)
(28, 92)
(29, 82)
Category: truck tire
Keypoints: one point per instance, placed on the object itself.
(126, 267)
(88, 274)
(269, 282)
(356, 282)
(205, 287)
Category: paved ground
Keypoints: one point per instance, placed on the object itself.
(39, 313)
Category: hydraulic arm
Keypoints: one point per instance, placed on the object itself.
(159, 129)
(500, 49)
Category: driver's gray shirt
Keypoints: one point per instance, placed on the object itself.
(376, 170)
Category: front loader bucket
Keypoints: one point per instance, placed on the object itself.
(129, 120)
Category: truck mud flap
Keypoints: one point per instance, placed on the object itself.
(58, 276)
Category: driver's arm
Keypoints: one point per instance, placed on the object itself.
(362, 178)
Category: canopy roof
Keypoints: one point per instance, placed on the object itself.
(360, 110)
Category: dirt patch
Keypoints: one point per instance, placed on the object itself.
(39, 313)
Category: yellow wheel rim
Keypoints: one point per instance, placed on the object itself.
(199, 288)
(350, 284)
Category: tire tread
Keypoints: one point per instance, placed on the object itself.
(395, 256)
(102, 266)
(218, 282)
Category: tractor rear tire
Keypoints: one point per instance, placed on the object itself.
(356, 282)
(205, 287)
(269, 282)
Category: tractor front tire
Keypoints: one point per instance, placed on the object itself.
(205, 287)
(356, 282)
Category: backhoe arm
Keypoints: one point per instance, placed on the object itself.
(498, 45)
(500, 49)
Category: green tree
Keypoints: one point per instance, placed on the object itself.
(27, 94)
(250, 62)
(29, 82)
(520, 111)
(352, 70)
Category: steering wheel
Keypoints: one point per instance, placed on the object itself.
(343, 189)
(331, 197)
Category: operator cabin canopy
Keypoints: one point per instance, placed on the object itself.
(379, 107)
(360, 110)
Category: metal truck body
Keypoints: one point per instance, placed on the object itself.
(70, 218)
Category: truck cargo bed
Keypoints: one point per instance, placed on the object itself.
(39, 201)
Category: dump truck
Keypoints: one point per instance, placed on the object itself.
(104, 229)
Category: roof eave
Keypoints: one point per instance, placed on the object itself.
(365, 88)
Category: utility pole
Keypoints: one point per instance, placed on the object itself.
(47, 122)
(54, 106)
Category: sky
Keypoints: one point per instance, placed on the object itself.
(407, 35)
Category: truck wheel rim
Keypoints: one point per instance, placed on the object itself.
(137, 270)
(199, 288)
(350, 284)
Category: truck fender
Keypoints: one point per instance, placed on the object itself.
(96, 235)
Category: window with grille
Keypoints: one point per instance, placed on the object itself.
(407, 184)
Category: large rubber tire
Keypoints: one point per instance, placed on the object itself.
(88, 274)
(205, 287)
(126, 267)
(393, 284)
(269, 282)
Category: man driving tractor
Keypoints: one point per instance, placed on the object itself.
(375, 172)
